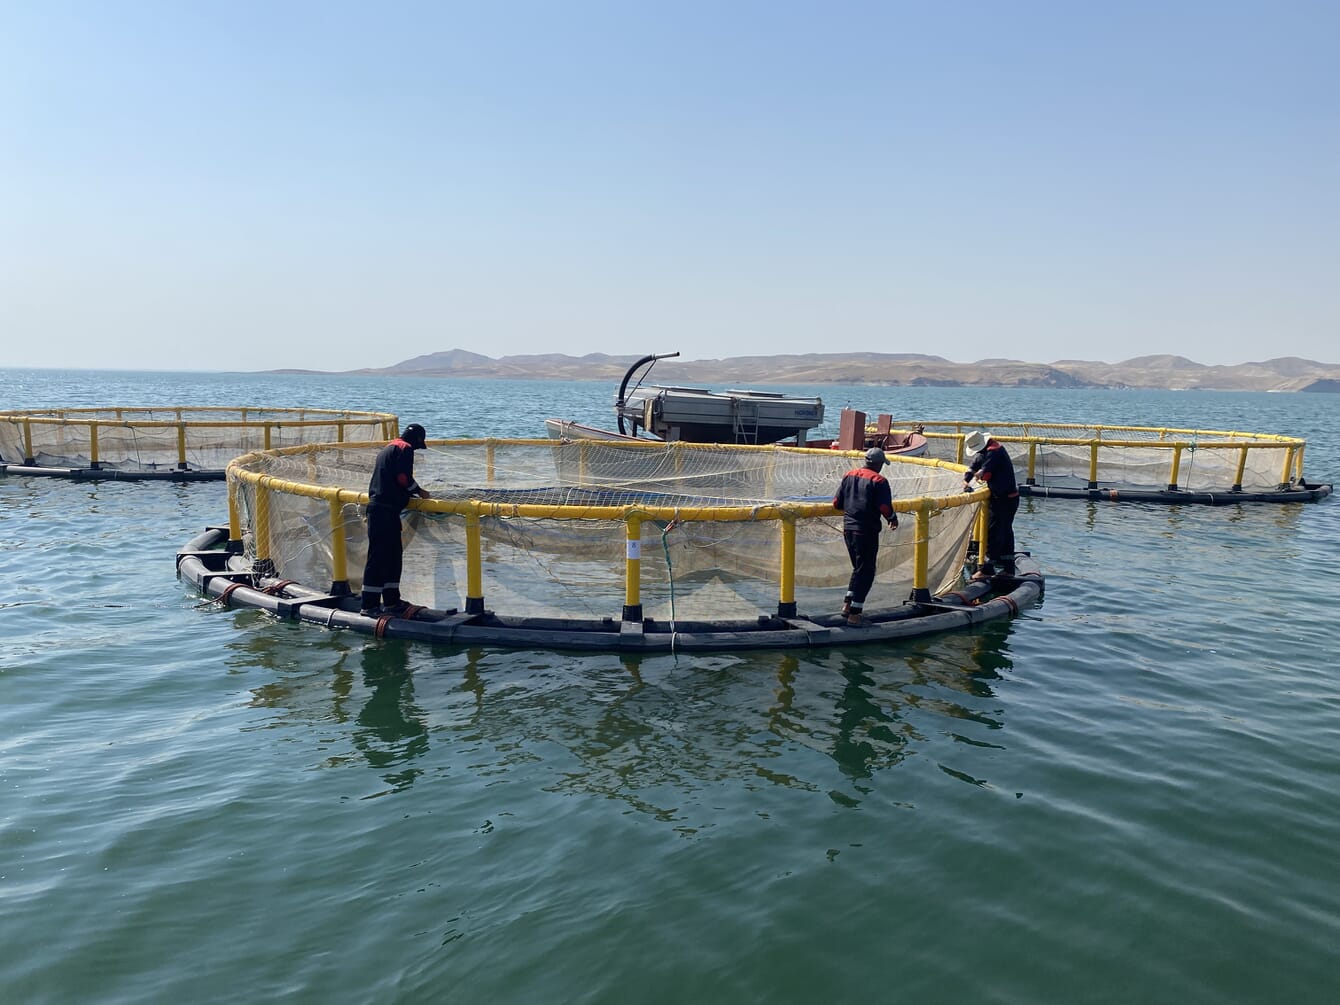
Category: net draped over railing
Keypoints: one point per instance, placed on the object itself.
(577, 529)
(1060, 455)
(164, 439)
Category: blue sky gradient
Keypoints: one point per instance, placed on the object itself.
(241, 185)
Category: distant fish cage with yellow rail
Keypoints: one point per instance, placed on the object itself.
(1140, 463)
(188, 443)
(603, 545)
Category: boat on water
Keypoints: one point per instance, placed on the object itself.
(671, 413)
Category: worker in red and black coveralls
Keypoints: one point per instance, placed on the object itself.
(864, 497)
(389, 490)
(991, 465)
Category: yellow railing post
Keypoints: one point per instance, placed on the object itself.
(1093, 463)
(632, 590)
(263, 565)
(93, 461)
(1288, 465)
(490, 453)
(267, 436)
(1242, 466)
(339, 560)
(1176, 467)
(181, 443)
(28, 457)
(786, 601)
(1032, 462)
(921, 545)
(983, 521)
(1299, 467)
(474, 565)
(234, 518)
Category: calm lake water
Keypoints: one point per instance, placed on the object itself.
(1130, 795)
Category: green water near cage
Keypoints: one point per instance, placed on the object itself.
(1127, 796)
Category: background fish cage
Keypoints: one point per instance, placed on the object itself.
(1138, 462)
(169, 442)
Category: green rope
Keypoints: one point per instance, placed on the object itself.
(665, 546)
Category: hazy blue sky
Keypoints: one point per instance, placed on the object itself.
(250, 185)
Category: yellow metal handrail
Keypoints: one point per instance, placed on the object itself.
(631, 515)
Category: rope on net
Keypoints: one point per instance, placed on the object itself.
(670, 573)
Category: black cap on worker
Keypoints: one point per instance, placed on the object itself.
(874, 458)
(414, 435)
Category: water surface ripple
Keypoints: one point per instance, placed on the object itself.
(1128, 795)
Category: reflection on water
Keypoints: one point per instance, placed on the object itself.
(368, 690)
(389, 729)
(649, 731)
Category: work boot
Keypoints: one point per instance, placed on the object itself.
(854, 619)
(846, 607)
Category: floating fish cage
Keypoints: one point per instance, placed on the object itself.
(177, 444)
(603, 545)
(1141, 463)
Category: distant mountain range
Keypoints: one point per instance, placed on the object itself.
(1285, 373)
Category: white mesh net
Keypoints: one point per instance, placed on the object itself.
(553, 536)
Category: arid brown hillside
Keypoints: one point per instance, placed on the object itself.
(891, 369)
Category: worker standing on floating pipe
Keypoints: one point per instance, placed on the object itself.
(864, 497)
(991, 465)
(389, 489)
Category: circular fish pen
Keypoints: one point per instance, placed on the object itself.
(174, 444)
(603, 545)
(1141, 463)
